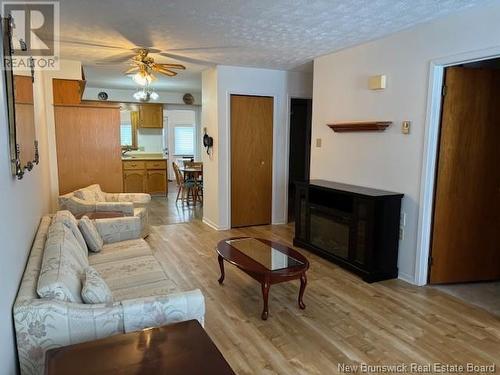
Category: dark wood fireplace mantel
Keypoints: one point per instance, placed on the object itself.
(354, 226)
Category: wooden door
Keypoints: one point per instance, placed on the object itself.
(251, 160)
(465, 242)
(88, 147)
(133, 181)
(157, 182)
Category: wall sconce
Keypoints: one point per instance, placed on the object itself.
(377, 82)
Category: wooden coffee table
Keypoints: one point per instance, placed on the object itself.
(266, 261)
(181, 348)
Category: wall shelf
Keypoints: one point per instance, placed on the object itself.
(365, 126)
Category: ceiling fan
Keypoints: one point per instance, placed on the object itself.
(180, 54)
(143, 64)
(143, 67)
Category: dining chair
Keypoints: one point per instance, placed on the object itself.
(186, 187)
(199, 179)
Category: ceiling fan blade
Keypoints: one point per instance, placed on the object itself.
(206, 49)
(91, 44)
(187, 59)
(131, 70)
(171, 66)
(120, 58)
(167, 72)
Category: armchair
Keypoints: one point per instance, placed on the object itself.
(93, 199)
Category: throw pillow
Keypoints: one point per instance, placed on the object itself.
(87, 195)
(70, 222)
(90, 233)
(95, 289)
(61, 270)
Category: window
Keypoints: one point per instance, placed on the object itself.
(184, 140)
(126, 134)
(128, 128)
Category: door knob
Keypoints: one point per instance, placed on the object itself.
(262, 162)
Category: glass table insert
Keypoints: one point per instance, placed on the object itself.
(269, 257)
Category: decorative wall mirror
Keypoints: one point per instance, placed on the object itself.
(20, 109)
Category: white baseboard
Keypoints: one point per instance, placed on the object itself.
(408, 278)
(210, 223)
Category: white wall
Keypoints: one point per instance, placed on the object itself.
(197, 120)
(389, 160)
(182, 115)
(118, 95)
(150, 139)
(209, 120)
(22, 203)
(282, 86)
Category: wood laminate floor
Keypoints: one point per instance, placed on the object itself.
(483, 294)
(345, 321)
(166, 210)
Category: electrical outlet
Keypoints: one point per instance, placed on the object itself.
(318, 142)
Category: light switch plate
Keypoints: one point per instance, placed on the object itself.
(318, 142)
(405, 127)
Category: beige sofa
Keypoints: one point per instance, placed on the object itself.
(92, 199)
(141, 291)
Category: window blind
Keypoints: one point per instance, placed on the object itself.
(183, 140)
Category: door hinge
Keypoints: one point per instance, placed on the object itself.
(443, 91)
(431, 260)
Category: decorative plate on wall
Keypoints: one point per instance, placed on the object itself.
(188, 99)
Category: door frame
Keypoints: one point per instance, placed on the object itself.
(430, 154)
(227, 163)
(287, 146)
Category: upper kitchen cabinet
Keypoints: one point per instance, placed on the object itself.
(151, 116)
(68, 91)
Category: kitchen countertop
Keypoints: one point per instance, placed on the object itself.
(143, 158)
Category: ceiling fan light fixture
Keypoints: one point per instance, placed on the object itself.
(139, 95)
(142, 78)
(145, 94)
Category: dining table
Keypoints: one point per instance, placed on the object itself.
(191, 173)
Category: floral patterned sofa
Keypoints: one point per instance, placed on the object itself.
(141, 290)
(92, 198)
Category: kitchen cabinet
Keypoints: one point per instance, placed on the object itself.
(67, 91)
(133, 181)
(145, 176)
(157, 181)
(151, 116)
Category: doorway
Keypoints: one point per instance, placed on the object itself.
(251, 160)
(299, 148)
(464, 243)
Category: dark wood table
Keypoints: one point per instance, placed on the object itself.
(266, 261)
(100, 215)
(180, 348)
